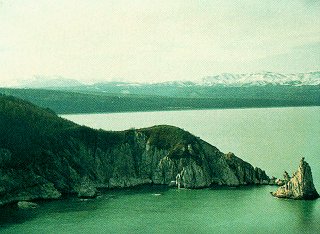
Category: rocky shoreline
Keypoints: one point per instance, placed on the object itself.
(199, 164)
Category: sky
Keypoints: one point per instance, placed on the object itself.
(155, 41)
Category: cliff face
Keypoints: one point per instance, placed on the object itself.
(68, 158)
(245, 172)
(300, 186)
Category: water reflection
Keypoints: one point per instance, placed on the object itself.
(243, 209)
(304, 213)
(11, 214)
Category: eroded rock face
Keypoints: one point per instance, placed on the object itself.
(138, 159)
(299, 186)
(26, 185)
(83, 169)
(245, 172)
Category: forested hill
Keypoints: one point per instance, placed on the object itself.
(25, 129)
(64, 102)
(43, 156)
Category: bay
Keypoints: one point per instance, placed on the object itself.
(274, 139)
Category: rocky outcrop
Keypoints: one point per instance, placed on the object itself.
(24, 185)
(61, 157)
(299, 186)
(286, 179)
(27, 205)
(81, 169)
(87, 189)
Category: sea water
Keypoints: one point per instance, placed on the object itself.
(272, 138)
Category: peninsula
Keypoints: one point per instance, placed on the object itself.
(43, 156)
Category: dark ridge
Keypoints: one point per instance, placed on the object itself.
(73, 101)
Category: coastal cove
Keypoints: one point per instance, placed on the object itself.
(273, 139)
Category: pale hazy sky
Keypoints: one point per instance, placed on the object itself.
(144, 40)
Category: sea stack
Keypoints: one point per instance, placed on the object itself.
(300, 186)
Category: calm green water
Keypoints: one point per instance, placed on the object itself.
(273, 139)
(241, 210)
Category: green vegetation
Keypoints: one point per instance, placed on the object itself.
(67, 102)
(34, 136)
(164, 136)
(32, 133)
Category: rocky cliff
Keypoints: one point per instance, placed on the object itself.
(43, 156)
(299, 186)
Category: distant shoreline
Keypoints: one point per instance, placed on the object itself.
(191, 109)
(69, 102)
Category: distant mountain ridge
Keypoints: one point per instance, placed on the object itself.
(224, 91)
(50, 82)
(224, 79)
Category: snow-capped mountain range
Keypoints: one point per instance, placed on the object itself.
(261, 79)
(224, 80)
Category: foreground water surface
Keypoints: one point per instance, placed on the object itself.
(272, 138)
(157, 210)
